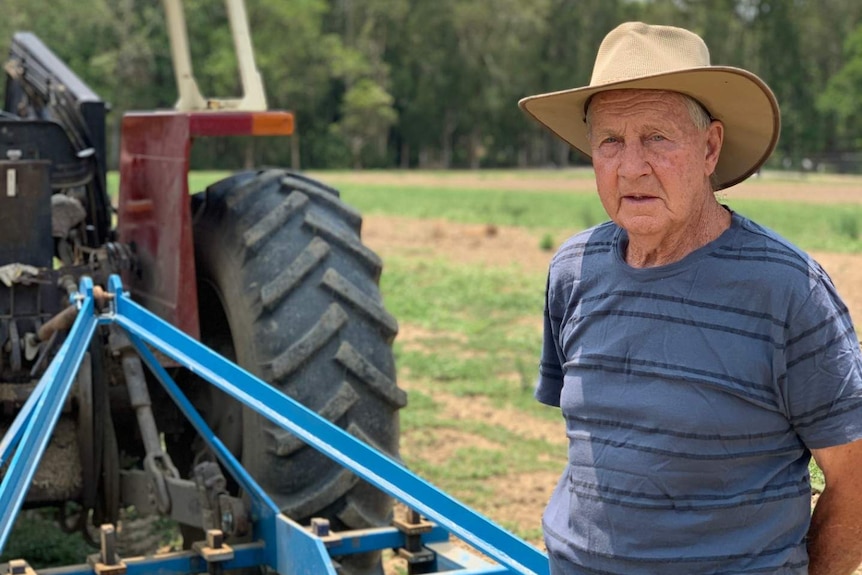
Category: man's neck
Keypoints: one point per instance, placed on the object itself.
(654, 251)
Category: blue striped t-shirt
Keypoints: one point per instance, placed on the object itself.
(692, 394)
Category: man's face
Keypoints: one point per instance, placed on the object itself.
(652, 163)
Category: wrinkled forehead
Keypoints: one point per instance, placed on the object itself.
(629, 98)
(651, 108)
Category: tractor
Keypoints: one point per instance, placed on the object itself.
(266, 267)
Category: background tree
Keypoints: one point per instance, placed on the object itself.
(841, 96)
(412, 83)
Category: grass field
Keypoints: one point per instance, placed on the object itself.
(465, 256)
(559, 201)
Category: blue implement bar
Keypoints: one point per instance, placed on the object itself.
(373, 466)
(16, 430)
(289, 549)
(38, 421)
(246, 555)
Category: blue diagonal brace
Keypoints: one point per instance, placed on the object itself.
(289, 549)
(376, 468)
(13, 435)
(37, 423)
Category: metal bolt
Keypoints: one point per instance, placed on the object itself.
(320, 526)
(413, 516)
(108, 538)
(227, 524)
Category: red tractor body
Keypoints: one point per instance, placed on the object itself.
(154, 214)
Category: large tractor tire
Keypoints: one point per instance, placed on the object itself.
(288, 290)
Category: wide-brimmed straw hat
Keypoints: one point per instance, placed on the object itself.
(639, 56)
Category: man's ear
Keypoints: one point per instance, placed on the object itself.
(714, 140)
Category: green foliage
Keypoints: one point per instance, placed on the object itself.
(367, 115)
(37, 538)
(435, 84)
(841, 96)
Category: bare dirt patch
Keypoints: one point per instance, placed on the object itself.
(815, 188)
(474, 244)
(476, 408)
(443, 445)
(782, 186)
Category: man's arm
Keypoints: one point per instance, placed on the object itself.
(835, 535)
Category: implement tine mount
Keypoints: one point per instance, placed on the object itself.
(277, 542)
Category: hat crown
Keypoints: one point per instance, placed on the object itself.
(636, 50)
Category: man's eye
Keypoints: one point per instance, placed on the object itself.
(657, 138)
(610, 140)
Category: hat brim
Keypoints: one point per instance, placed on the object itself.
(739, 99)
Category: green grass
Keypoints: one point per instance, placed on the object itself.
(536, 210)
(198, 181)
(480, 326)
(818, 227)
(825, 227)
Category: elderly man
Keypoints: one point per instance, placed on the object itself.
(699, 359)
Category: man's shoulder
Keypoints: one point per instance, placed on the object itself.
(592, 241)
(763, 247)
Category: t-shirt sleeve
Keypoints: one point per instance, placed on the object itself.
(823, 379)
(550, 382)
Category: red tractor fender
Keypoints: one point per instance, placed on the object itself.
(154, 213)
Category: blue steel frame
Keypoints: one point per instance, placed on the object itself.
(281, 543)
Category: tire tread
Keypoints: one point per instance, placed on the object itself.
(351, 294)
(365, 371)
(324, 330)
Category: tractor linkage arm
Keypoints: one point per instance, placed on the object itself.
(277, 541)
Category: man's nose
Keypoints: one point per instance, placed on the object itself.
(633, 163)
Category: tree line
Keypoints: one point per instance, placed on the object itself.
(435, 83)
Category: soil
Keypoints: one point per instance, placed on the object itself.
(783, 186)
(478, 244)
(522, 498)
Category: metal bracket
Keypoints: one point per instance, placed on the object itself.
(320, 528)
(218, 510)
(214, 551)
(230, 514)
(419, 558)
(107, 561)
